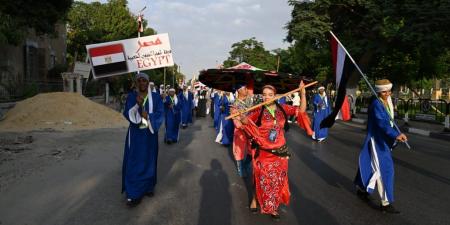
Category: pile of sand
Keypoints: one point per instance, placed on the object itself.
(60, 111)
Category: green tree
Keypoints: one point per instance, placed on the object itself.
(400, 40)
(18, 16)
(252, 52)
(96, 22)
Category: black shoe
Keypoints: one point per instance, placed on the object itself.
(133, 202)
(275, 217)
(253, 210)
(150, 194)
(363, 195)
(389, 209)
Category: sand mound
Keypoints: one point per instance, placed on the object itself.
(60, 111)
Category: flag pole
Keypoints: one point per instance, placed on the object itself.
(278, 62)
(368, 83)
(269, 101)
(173, 78)
(140, 25)
(164, 80)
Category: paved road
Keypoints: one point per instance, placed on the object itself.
(74, 178)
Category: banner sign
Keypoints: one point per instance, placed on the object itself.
(130, 55)
(84, 69)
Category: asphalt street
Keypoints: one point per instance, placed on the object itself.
(75, 178)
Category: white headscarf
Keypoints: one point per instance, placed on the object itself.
(175, 99)
(386, 85)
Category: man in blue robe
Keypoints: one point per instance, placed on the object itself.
(172, 116)
(211, 99)
(226, 127)
(186, 101)
(145, 112)
(376, 167)
(321, 110)
(217, 98)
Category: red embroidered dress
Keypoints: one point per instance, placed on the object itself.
(270, 171)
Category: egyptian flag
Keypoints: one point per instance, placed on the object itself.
(108, 60)
(344, 70)
(140, 25)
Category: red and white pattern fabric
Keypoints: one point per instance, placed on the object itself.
(270, 172)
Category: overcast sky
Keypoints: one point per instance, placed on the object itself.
(202, 31)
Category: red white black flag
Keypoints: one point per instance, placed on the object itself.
(344, 68)
(140, 24)
(108, 59)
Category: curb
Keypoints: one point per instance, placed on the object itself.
(360, 121)
(438, 135)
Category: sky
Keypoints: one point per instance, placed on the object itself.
(202, 31)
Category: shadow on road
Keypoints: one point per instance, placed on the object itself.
(306, 209)
(324, 171)
(421, 171)
(215, 205)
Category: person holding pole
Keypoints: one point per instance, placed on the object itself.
(241, 143)
(265, 125)
(376, 167)
(144, 110)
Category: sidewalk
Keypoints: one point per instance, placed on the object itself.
(433, 130)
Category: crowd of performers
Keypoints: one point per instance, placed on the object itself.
(257, 138)
(147, 109)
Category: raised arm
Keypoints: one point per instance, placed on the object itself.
(302, 107)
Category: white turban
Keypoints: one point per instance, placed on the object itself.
(383, 85)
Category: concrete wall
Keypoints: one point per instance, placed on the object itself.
(30, 61)
(34, 56)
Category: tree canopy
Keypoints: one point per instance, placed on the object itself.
(252, 52)
(90, 23)
(399, 40)
(18, 16)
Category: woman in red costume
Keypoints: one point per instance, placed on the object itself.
(265, 126)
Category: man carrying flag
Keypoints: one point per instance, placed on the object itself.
(376, 167)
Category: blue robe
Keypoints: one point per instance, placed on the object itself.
(282, 100)
(377, 147)
(319, 114)
(226, 127)
(216, 117)
(172, 122)
(141, 148)
(186, 106)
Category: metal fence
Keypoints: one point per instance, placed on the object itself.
(427, 109)
(13, 90)
(417, 109)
